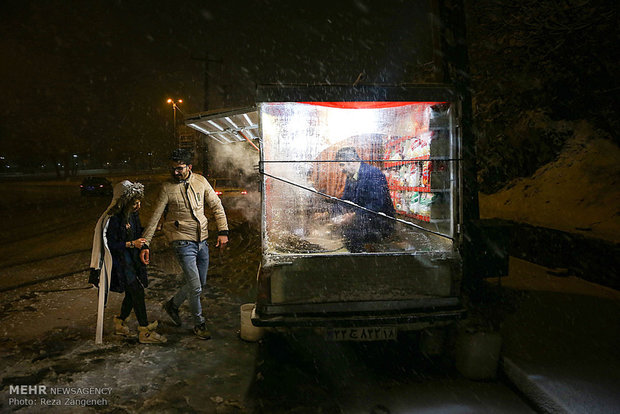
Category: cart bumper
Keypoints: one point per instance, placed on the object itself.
(398, 313)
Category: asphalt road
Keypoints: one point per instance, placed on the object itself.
(47, 315)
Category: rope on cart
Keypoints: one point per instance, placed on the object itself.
(351, 204)
(363, 160)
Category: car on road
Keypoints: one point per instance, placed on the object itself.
(227, 187)
(95, 186)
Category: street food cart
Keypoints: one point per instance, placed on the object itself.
(408, 278)
(336, 255)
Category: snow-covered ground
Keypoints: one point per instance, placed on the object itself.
(577, 193)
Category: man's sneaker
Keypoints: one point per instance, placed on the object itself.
(172, 312)
(202, 332)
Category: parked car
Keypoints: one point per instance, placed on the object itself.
(95, 186)
(227, 187)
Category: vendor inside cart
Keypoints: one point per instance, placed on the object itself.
(368, 220)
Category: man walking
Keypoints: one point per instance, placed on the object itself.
(185, 226)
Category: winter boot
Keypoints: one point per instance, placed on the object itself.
(201, 331)
(153, 325)
(173, 312)
(120, 327)
(149, 336)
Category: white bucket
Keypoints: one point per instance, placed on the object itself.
(477, 354)
(249, 332)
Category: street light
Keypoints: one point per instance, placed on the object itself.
(174, 114)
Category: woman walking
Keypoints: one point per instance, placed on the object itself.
(119, 231)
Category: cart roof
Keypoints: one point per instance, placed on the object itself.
(359, 93)
(227, 126)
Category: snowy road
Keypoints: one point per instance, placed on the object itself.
(47, 314)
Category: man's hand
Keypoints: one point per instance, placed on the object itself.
(221, 241)
(320, 215)
(145, 256)
(344, 218)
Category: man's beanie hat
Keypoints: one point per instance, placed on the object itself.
(347, 154)
(182, 155)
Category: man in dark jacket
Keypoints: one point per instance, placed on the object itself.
(366, 187)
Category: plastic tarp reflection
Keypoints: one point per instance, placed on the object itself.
(357, 177)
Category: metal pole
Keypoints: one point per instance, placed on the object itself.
(174, 122)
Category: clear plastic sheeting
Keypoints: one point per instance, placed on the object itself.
(358, 177)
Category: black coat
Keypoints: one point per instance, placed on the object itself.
(126, 264)
(370, 191)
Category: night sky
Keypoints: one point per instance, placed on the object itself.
(94, 76)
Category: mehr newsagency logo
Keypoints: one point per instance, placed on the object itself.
(42, 395)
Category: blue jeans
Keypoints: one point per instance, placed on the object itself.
(194, 260)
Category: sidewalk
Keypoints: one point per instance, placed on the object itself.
(561, 341)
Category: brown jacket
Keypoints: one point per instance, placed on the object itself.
(185, 218)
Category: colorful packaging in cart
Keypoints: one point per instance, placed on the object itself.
(424, 206)
(414, 178)
(396, 155)
(417, 149)
(408, 150)
(425, 142)
(386, 155)
(427, 167)
(414, 202)
(398, 201)
(426, 151)
(403, 173)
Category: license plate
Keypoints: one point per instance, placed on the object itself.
(361, 334)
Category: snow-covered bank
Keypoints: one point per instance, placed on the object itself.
(577, 193)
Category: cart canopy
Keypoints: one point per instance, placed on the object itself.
(227, 126)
